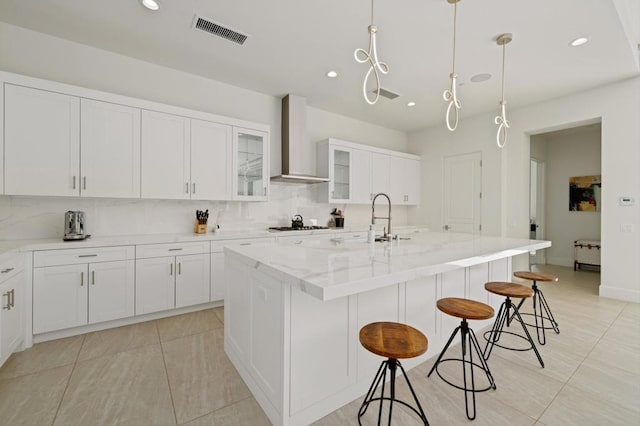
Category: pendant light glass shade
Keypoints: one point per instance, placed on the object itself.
(371, 56)
(501, 120)
(451, 95)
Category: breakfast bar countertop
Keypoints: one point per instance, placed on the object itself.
(333, 268)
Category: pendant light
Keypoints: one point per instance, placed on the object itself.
(451, 94)
(362, 56)
(501, 120)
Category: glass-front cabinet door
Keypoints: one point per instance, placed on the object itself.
(340, 167)
(251, 167)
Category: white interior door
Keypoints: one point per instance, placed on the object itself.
(462, 193)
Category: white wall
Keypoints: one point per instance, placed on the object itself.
(35, 54)
(506, 172)
(568, 154)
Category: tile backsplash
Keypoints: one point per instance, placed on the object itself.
(42, 217)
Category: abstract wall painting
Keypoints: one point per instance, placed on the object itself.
(584, 193)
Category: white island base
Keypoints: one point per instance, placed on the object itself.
(294, 339)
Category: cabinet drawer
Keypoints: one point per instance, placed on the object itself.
(172, 249)
(218, 246)
(10, 265)
(82, 255)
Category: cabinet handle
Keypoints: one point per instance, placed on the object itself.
(84, 182)
(193, 188)
(4, 271)
(298, 242)
(93, 277)
(13, 297)
(265, 190)
(179, 268)
(81, 279)
(333, 194)
(8, 305)
(245, 244)
(171, 269)
(186, 188)
(175, 249)
(356, 236)
(74, 182)
(87, 255)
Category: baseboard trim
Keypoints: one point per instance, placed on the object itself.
(619, 294)
(560, 261)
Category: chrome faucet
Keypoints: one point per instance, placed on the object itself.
(387, 235)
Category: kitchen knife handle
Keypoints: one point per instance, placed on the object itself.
(193, 188)
(81, 279)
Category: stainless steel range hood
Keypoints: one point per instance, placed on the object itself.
(294, 135)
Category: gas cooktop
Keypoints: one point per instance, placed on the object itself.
(302, 228)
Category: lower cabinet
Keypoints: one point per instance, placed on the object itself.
(73, 295)
(11, 308)
(170, 282)
(75, 287)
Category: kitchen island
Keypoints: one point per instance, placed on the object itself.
(293, 309)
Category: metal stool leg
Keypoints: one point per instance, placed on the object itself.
(391, 365)
(497, 330)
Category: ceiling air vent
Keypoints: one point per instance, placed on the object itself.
(219, 30)
(386, 93)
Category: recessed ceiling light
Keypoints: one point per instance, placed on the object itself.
(579, 41)
(410, 104)
(479, 78)
(151, 4)
(332, 74)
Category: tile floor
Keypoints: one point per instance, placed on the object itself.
(174, 371)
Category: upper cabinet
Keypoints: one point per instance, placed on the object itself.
(250, 164)
(110, 150)
(166, 155)
(358, 172)
(184, 158)
(41, 142)
(61, 140)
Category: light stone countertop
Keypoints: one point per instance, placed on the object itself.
(334, 268)
(14, 246)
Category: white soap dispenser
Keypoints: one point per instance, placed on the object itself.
(371, 235)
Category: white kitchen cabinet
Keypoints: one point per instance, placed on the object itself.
(250, 164)
(41, 142)
(405, 181)
(11, 307)
(358, 172)
(165, 156)
(171, 276)
(76, 287)
(211, 159)
(110, 150)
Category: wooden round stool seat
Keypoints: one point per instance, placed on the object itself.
(465, 308)
(509, 289)
(535, 276)
(393, 340)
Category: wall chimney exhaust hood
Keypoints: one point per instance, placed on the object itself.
(294, 135)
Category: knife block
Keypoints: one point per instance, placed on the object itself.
(199, 228)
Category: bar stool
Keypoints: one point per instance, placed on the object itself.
(508, 290)
(541, 310)
(394, 341)
(466, 310)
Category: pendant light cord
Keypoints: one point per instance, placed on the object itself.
(455, 14)
(451, 96)
(503, 60)
(371, 57)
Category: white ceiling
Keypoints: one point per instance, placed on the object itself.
(293, 43)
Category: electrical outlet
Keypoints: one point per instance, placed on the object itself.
(627, 228)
